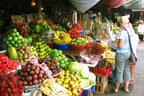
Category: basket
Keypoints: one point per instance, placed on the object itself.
(62, 46)
(89, 45)
(3, 53)
(102, 71)
(77, 47)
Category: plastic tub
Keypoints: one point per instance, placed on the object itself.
(62, 46)
(77, 47)
(3, 53)
(90, 88)
(89, 45)
(101, 71)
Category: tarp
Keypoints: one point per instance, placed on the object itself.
(136, 5)
(116, 3)
(83, 5)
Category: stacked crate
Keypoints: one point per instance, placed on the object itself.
(101, 84)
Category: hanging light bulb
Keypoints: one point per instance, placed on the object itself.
(41, 8)
(33, 3)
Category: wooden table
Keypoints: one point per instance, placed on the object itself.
(75, 55)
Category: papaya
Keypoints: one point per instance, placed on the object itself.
(12, 53)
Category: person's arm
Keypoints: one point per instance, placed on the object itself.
(120, 43)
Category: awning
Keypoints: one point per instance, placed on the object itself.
(135, 5)
(116, 3)
(83, 5)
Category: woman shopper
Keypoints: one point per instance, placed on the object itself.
(134, 43)
(123, 56)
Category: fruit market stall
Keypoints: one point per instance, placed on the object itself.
(37, 73)
(42, 50)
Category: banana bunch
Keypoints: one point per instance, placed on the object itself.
(61, 37)
(115, 28)
(50, 88)
(105, 47)
(41, 21)
(88, 39)
(110, 56)
(12, 53)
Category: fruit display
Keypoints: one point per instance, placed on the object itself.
(31, 74)
(12, 53)
(61, 37)
(24, 53)
(103, 63)
(89, 58)
(47, 37)
(52, 65)
(60, 28)
(110, 56)
(22, 29)
(7, 65)
(40, 27)
(41, 49)
(78, 27)
(60, 58)
(15, 39)
(50, 88)
(70, 81)
(75, 31)
(10, 85)
(97, 49)
(88, 39)
(78, 41)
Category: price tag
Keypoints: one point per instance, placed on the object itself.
(46, 70)
(33, 60)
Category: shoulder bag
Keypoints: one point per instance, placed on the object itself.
(133, 58)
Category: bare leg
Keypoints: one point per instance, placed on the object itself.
(126, 86)
(132, 71)
(116, 87)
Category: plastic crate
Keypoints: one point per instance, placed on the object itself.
(89, 90)
(3, 53)
(77, 47)
(101, 71)
(62, 46)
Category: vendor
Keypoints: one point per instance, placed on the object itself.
(141, 29)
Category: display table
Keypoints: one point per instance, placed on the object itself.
(75, 55)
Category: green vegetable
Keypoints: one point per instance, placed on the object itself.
(85, 71)
(92, 78)
(84, 83)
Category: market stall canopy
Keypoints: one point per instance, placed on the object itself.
(84, 5)
(116, 3)
(135, 5)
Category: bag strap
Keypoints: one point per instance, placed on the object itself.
(129, 41)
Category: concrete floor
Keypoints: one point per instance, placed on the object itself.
(137, 89)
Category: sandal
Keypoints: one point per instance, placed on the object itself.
(127, 91)
(116, 91)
